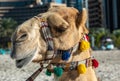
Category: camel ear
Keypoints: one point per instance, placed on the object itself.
(55, 20)
(81, 20)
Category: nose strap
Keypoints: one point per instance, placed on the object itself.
(48, 38)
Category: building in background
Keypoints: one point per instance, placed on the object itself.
(95, 13)
(101, 13)
(20, 10)
(112, 14)
(15, 3)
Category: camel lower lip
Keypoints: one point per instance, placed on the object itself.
(22, 62)
(27, 59)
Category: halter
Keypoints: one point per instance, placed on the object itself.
(51, 51)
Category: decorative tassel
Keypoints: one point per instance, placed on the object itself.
(81, 69)
(87, 37)
(48, 73)
(58, 71)
(84, 45)
(95, 63)
(65, 55)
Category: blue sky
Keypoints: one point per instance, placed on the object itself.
(58, 1)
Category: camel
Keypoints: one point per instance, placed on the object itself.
(50, 35)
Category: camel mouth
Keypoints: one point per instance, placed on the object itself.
(22, 62)
(26, 59)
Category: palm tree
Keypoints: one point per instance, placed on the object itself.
(7, 26)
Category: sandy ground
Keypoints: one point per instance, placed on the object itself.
(109, 68)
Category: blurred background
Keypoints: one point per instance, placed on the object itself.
(103, 23)
(103, 18)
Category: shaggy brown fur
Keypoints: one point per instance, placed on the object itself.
(67, 26)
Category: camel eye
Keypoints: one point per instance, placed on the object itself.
(60, 29)
(23, 36)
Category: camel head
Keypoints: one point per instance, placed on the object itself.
(67, 27)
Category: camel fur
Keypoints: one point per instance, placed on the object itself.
(67, 26)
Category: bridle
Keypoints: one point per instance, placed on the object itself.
(48, 38)
(51, 51)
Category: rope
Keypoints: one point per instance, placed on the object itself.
(35, 74)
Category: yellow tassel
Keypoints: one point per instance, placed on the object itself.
(81, 69)
(85, 45)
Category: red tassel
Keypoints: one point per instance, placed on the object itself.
(95, 63)
(87, 37)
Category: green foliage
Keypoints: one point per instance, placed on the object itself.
(116, 37)
(98, 33)
(7, 27)
(116, 33)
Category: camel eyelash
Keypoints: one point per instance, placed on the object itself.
(60, 30)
